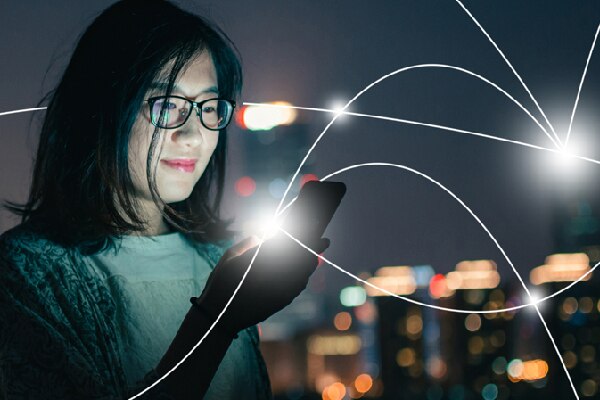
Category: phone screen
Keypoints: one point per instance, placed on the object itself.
(313, 209)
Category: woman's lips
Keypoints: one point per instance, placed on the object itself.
(183, 165)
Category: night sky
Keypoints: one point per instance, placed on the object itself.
(320, 54)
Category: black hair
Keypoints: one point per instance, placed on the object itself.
(81, 176)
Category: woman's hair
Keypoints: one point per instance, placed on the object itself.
(81, 177)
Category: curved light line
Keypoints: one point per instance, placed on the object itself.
(448, 309)
(429, 125)
(581, 85)
(468, 72)
(497, 245)
(23, 110)
(510, 66)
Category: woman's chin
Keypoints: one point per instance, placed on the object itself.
(176, 196)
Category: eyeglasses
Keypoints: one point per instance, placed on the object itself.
(169, 112)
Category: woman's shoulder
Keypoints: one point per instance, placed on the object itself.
(27, 252)
(27, 237)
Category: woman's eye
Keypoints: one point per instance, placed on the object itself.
(208, 109)
(167, 105)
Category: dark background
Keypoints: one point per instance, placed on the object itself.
(320, 54)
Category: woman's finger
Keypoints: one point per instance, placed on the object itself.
(243, 246)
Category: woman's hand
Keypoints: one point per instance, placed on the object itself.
(278, 274)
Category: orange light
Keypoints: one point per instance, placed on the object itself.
(406, 357)
(342, 321)
(335, 391)
(527, 370)
(363, 383)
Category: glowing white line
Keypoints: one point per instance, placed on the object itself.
(24, 110)
(211, 327)
(400, 120)
(338, 113)
(440, 308)
(429, 125)
(581, 84)
(465, 71)
(468, 72)
(491, 237)
(559, 141)
(511, 68)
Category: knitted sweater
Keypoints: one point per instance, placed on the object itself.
(74, 326)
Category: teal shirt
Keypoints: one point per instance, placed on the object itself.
(153, 279)
(74, 326)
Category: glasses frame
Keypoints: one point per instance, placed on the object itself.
(195, 105)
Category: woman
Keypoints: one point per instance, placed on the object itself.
(122, 226)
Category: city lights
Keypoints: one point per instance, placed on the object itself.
(532, 370)
(261, 118)
(363, 383)
(438, 287)
(473, 322)
(353, 296)
(397, 280)
(406, 357)
(245, 186)
(562, 268)
(342, 321)
(334, 345)
(335, 391)
(479, 274)
(424, 338)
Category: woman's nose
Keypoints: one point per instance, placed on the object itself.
(191, 133)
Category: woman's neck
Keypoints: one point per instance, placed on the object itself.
(156, 224)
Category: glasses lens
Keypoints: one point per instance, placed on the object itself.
(215, 113)
(169, 112)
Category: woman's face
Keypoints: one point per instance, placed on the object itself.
(189, 143)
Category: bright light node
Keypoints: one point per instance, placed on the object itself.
(535, 298)
(270, 227)
(566, 158)
(267, 226)
(338, 109)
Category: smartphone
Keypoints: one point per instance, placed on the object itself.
(313, 209)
